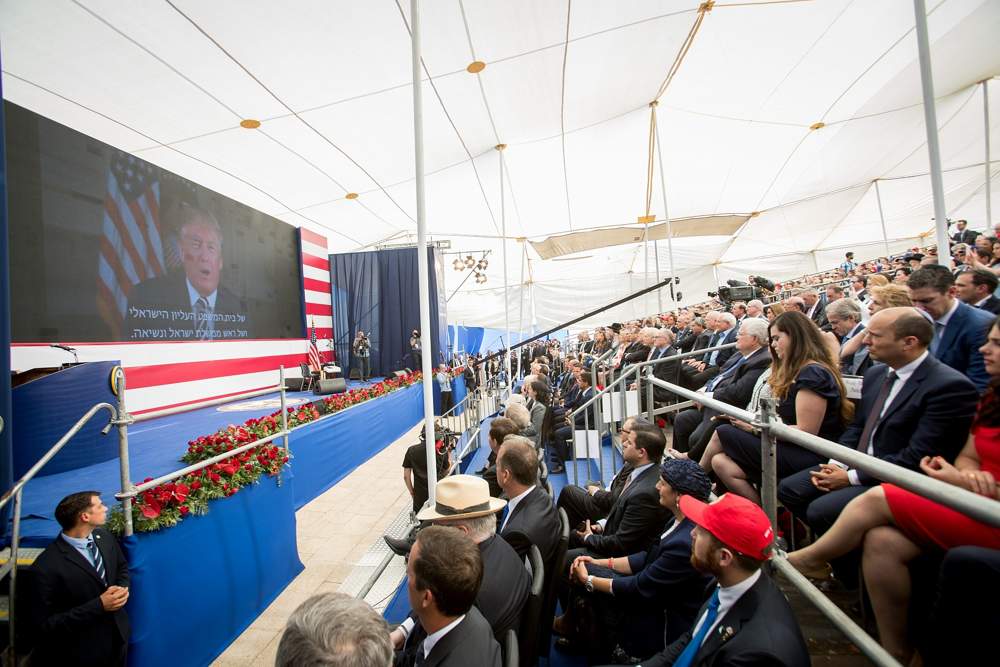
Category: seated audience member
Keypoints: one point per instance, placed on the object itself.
(594, 503)
(966, 620)
(881, 296)
(912, 407)
(80, 589)
(976, 287)
(505, 585)
(815, 307)
(519, 414)
(747, 620)
(895, 526)
(649, 598)
(834, 293)
(500, 428)
(734, 385)
(444, 573)
(811, 397)
(901, 275)
(335, 630)
(888, 296)
(582, 420)
(538, 395)
(844, 316)
(859, 289)
(772, 310)
(959, 329)
(877, 280)
(640, 352)
(795, 303)
(636, 517)
(755, 308)
(695, 374)
(667, 371)
(697, 337)
(531, 518)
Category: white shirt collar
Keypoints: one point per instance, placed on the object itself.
(979, 304)
(854, 332)
(433, 638)
(194, 295)
(729, 596)
(904, 372)
(943, 321)
(512, 503)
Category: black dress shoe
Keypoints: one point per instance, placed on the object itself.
(399, 546)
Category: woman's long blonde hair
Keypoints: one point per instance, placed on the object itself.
(806, 347)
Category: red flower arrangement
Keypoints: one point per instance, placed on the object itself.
(167, 504)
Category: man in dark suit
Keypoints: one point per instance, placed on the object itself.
(976, 287)
(815, 307)
(500, 428)
(505, 585)
(733, 385)
(81, 587)
(195, 291)
(747, 620)
(844, 317)
(530, 518)
(959, 329)
(636, 518)
(963, 234)
(912, 406)
(696, 372)
(594, 503)
(560, 444)
(443, 577)
(693, 338)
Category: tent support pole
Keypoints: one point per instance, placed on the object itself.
(670, 233)
(506, 300)
(930, 121)
(422, 268)
(881, 217)
(520, 306)
(656, 259)
(986, 140)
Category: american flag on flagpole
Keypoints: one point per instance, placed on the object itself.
(131, 245)
(314, 360)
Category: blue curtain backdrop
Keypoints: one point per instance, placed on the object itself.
(376, 292)
(6, 462)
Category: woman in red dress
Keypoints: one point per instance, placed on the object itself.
(895, 526)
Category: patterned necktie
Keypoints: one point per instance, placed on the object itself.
(95, 557)
(725, 374)
(686, 658)
(876, 413)
(202, 319)
(938, 331)
(420, 656)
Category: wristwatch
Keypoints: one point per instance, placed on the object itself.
(590, 583)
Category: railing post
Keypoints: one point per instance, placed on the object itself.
(124, 419)
(769, 476)
(649, 396)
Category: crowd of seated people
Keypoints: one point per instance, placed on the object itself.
(665, 565)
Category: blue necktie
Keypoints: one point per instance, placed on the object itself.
(503, 513)
(726, 373)
(686, 659)
(711, 343)
(95, 557)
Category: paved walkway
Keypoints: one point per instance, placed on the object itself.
(336, 533)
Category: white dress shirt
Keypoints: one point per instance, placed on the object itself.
(433, 638)
(728, 596)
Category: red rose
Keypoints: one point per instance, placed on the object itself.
(214, 477)
(195, 485)
(184, 510)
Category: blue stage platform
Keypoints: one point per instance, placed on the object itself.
(197, 586)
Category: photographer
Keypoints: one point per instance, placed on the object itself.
(415, 349)
(415, 464)
(362, 352)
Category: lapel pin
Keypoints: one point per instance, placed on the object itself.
(727, 633)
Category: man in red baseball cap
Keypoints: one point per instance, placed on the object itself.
(747, 620)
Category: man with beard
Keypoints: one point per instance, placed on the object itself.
(747, 620)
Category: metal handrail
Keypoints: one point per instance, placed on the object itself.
(951, 496)
(15, 493)
(635, 367)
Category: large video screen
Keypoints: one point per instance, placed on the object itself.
(105, 246)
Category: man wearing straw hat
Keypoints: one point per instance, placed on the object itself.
(463, 502)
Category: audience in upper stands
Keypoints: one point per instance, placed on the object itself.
(334, 630)
(806, 381)
(959, 329)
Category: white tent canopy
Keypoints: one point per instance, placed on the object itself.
(566, 87)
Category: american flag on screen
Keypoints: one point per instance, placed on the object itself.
(131, 245)
(314, 361)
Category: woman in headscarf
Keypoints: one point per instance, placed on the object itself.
(640, 601)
